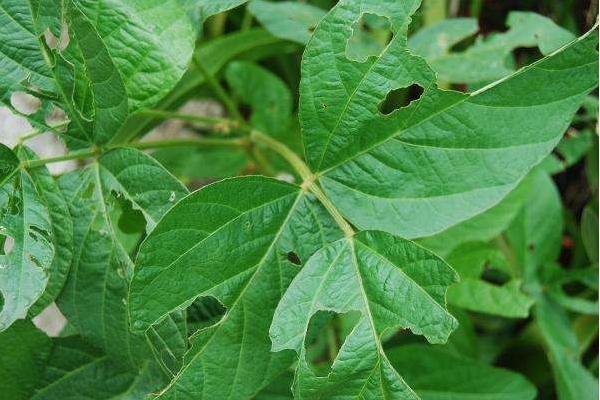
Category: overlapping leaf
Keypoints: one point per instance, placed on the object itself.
(94, 299)
(392, 283)
(240, 241)
(489, 58)
(455, 154)
(286, 19)
(437, 375)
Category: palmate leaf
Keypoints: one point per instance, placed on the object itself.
(94, 298)
(456, 155)
(393, 283)
(240, 241)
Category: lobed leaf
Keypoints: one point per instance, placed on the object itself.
(455, 154)
(238, 240)
(393, 283)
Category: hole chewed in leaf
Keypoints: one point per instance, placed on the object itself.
(371, 33)
(325, 336)
(294, 258)
(25, 103)
(8, 245)
(204, 312)
(400, 98)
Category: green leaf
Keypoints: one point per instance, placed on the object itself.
(94, 299)
(482, 227)
(392, 283)
(267, 95)
(25, 350)
(212, 7)
(436, 375)
(9, 163)
(150, 42)
(25, 219)
(456, 154)
(488, 59)
(474, 294)
(535, 234)
(190, 164)
(76, 370)
(238, 240)
(61, 232)
(253, 44)
(589, 231)
(91, 85)
(573, 381)
(286, 19)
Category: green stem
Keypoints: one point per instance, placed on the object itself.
(246, 20)
(200, 142)
(157, 144)
(434, 11)
(219, 91)
(339, 219)
(291, 157)
(38, 132)
(307, 176)
(217, 122)
(75, 155)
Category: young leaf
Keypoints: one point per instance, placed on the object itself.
(573, 381)
(25, 265)
(393, 283)
(25, 350)
(474, 294)
(486, 60)
(286, 19)
(267, 94)
(238, 240)
(455, 154)
(535, 234)
(436, 375)
(94, 299)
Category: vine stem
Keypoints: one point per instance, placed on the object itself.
(216, 122)
(309, 179)
(219, 92)
(38, 132)
(157, 144)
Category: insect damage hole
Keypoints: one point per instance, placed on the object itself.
(400, 98)
(7, 246)
(370, 35)
(294, 258)
(327, 331)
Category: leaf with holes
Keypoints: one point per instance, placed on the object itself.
(392, 283)
(25, 230)
(123, 184)
(455, 154)
(240, 241)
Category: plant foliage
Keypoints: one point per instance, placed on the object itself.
(398, 231)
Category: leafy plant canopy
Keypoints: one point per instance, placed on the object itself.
(420, 223)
